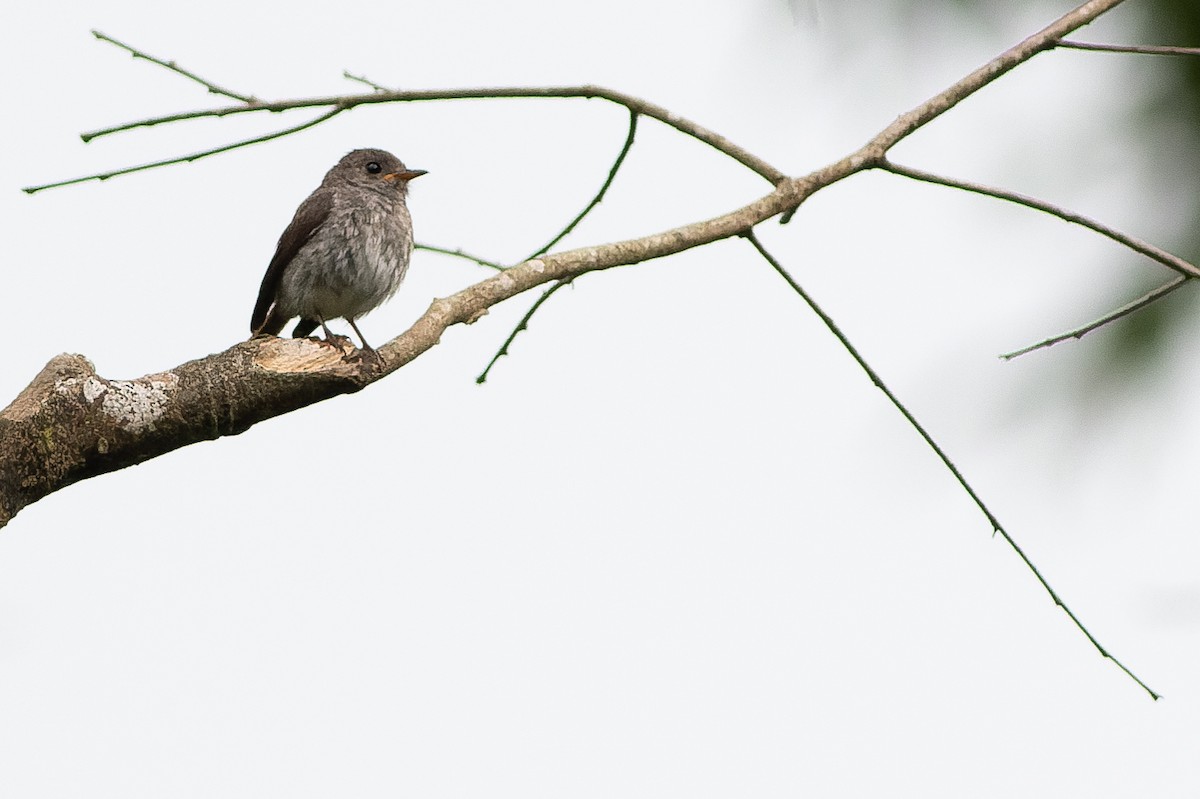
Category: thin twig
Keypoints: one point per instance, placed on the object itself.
(642, 107)
(1185, 269)
(612, 173)
(458, 253)
(945, 459)
(364, 80)
(171, 65)
(1111, 316)
(522, 325)
(1149, 250)
(864, 158)
(1140, 49)
(186, 158)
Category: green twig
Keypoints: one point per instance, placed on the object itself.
(171, 65)
(612, 173)
(521, 326)
(941, 454)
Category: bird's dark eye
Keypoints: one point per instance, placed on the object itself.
(374, 168)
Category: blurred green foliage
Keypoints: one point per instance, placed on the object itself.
(1130, 353)
(1171, 118)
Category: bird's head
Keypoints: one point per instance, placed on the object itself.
(378, 170)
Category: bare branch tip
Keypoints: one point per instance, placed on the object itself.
(363, 79)
(630, 136)
(833, 328)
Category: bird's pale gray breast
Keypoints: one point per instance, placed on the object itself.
(353, 263)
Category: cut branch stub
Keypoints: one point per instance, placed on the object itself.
(70, 423)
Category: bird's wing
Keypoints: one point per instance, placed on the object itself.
(309, 217)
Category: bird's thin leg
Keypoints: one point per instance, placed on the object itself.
(328, 334)
(365, 345)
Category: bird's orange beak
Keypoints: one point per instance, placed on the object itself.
(406, 175)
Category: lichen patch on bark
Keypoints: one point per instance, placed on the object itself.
(138, 404)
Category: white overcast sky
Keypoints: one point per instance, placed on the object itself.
(678, 545)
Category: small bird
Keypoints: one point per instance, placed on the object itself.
(346, 250)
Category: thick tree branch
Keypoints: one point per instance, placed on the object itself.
(70, 424)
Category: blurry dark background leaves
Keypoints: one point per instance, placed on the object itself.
(1133, 355)
(1171, 118)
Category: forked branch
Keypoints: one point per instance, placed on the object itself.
(172, 66)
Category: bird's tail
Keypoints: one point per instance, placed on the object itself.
(271, 324)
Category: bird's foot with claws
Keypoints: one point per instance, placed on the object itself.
(367, 356)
